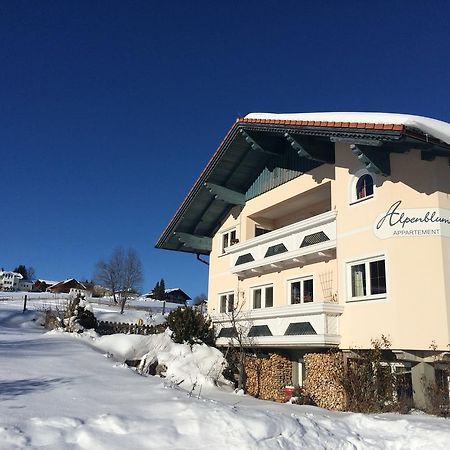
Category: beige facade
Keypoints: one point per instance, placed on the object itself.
(414, 312)
(327, 234)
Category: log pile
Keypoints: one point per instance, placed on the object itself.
(267, 376)
(324, 373)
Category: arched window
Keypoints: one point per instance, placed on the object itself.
(364, 187)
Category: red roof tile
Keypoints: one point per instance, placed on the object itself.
(318, 123)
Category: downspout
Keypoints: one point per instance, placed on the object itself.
(201, 260)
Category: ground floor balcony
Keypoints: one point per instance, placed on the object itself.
(313, 324)
(305, 242)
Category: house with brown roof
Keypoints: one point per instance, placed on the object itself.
(70, 286)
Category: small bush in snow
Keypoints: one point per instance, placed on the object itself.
(86, 318)
(189, 325)
(74, 316)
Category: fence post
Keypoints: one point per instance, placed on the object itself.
(24, 303)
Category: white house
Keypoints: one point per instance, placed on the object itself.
(10, 281)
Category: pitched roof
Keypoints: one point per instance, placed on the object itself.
(254, 141)
(362, 120)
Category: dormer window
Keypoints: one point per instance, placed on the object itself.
(364, 187)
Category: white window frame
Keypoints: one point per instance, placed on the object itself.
(366, 262)
(353, 199)
(228, 305)
(263, 288)
(300, 280)
(228, 234)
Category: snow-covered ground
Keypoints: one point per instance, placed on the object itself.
(149, 311)
(61, 391)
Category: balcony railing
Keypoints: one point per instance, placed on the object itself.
(301, 325)
(298, 244)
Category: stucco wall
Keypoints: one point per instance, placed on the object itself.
(416, 310)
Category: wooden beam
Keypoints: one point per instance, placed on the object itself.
(254, 145)
(322, 152)
(356, 141)
(225, 194)
(203, 243)
(376, 160)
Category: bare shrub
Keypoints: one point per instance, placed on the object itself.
(370, 384)
(301, 397)
(69, 317)
(51, 320)
(438, 393)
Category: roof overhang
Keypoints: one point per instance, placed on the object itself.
(252, 144)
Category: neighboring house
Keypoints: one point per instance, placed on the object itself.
(173, 295)
(101, 291)
(70, 286)
(10, 281)
(25, 285)
(333, 229)
(43, 285)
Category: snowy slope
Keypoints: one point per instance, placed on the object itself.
(58, 392)
(433, 127)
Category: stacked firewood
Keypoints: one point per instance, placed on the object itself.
(268, 375)
(324, 373)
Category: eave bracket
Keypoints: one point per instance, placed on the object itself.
(201, 243)
(254, 145)
(375, 159)
(316, 152)
(225, 194)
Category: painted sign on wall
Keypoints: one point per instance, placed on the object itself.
(397, 222)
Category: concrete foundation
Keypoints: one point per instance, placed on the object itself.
(423, 377)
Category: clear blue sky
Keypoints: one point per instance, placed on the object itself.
(110, 109)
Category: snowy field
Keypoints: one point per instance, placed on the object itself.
(61, 391)
(147, 311)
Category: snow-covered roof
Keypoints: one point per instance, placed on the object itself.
(47, 282)
(233, 166)
(436, 128)
(172, 290)
(14, 274)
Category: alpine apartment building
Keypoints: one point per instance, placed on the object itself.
(329, 230)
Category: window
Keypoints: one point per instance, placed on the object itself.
(301, 291)
(361, 187)
(226, 302)
(229, 238)
(262, 297)
(368, 279)
(364, 187)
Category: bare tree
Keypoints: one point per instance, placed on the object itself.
(132, 276)
(28, 273)
(241, 323)
(108, 274)
(121, 272)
